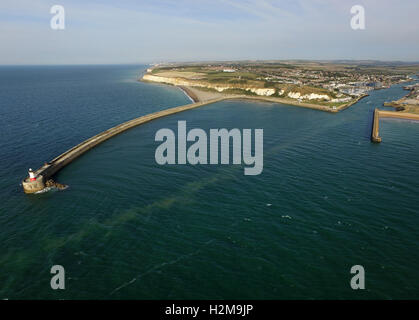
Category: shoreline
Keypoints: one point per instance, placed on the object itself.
(407, 103)
(203, 93)
(199, 95)
(189, 94)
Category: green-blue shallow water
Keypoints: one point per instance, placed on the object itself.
(327, 199)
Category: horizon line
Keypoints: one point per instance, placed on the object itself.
(207, 61)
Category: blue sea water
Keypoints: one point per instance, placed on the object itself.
(126, 227)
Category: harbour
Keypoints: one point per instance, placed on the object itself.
(129, 228)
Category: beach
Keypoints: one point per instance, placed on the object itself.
(199, 95)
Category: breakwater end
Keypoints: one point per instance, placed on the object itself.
(388, 114)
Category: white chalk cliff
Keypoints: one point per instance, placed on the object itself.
(311, 96)
(219, 88)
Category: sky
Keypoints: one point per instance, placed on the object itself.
(113, 32)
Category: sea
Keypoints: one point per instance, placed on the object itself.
(128, 228)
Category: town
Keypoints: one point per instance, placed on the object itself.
(329, 83)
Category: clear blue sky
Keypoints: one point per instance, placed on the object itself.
(185, 30)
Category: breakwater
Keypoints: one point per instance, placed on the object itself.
(50, 168)
(388, 114)
(375, 126)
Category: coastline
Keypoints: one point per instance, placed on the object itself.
(189, 94)
(408, 103)
(199, 95)
(202, 92)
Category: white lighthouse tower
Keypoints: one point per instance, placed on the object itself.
(31, 175)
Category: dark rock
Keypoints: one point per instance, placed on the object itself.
(51, 183)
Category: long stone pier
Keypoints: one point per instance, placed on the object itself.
(50, 168)
(388, 114)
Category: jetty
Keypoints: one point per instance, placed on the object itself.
(375, 126)
(36, 181)
(387, 114)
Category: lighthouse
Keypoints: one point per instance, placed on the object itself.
(33, 183)
(31, 175)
